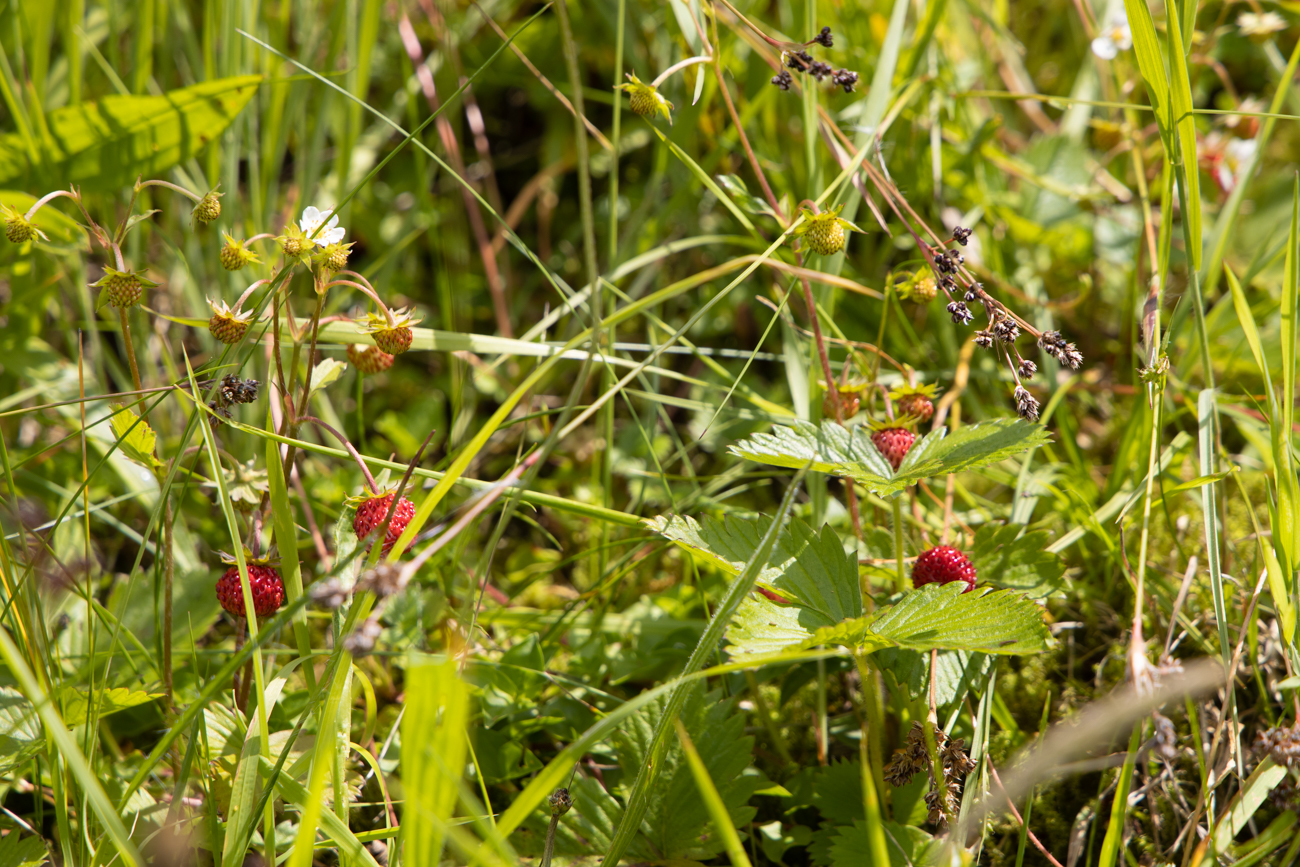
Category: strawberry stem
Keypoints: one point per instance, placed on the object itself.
(356, 456)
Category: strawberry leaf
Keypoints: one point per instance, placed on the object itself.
(841, 451)
(936, 616)
(1023, 563)
(811, 570)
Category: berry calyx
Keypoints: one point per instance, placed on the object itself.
(824, 232)
(334, 257)
(17, 227)
(265, 584)
(292, 241)
(943, 565)
(392, 337)
(208, 208)
(369, 359)
(646, 99)
(371, 512)
(234, 255)
(121, 288)
(227, 325)
(894, 443)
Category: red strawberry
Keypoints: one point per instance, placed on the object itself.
(369, 359)
(918, 405)
(370, 515)
(894, 443)
(268, 590)
(943, 565)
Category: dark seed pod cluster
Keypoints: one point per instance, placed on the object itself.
(1004, 326)
(915, 757)
(233, 391)
(804, 63)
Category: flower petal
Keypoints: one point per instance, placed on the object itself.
(1104, 48)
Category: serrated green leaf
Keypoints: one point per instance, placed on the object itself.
(136, 438)
(21, 737)
(675, 818)
(24, 852)
(1022, 563)
(840, 451)
(325, 373)
(76, 702)
(908, 845)
(808, 568)
(105, 145)
(933, 617)
(956, 673)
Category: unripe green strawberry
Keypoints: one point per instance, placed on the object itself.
(17, 227)
(825, 237)
(645, 99)
(208, 208)
(335, 256)
(292, 241)
(234, 255)
(394, 341)
(824, 232)
(121, 288)
(369, 359)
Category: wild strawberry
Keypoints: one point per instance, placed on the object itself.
(208, 208)
(121, 288)
(17, 227)
(393, 337)
(916, 404)
(371, 512)
(234, 255)
(264, 581)
(335, 256)
(646, 99)
(393, 341)
(894, 443)
(227, 325)
(914, 401)
(943, 565)
(824, 232)
(293, 242)
(369, 359)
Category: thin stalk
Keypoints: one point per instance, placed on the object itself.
(679, 65)
(169, 577)
(773, 731)
(615, 137)
(130, 348)
(311, 351)
(195, 197)
(48, 197)
(356, 456)
(901, 577)
(369, 291)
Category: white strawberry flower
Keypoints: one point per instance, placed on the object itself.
(1114, 38)
(312, 218)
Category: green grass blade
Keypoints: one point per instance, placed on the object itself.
(712, 800)
(737, 592)
(1185, 123)
(433, 756)
(286, 543)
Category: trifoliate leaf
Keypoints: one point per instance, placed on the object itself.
(676, 824)
(840, 451)
(837, 792)
(135, 438)
(76, 703)
(1022, 563)
(810, 569)
(936, 616)
(21, 735)
(851, 847)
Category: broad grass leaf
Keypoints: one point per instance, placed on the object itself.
(103, 146)
(21, 737)
(434, 752)
(1021, 563)
(809, 568)
(840, 451)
